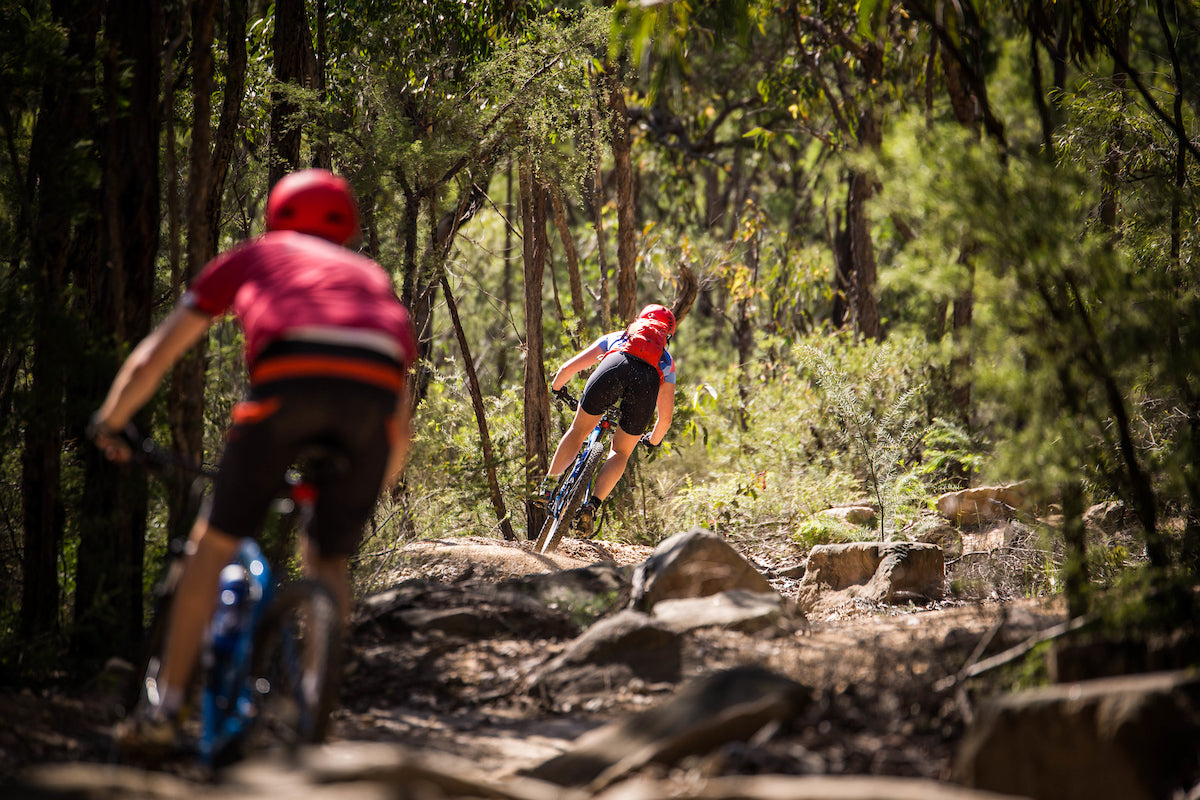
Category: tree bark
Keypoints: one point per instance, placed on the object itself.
(597, 204)
(537, 399)
(626, 218)
(863, 303)
(1075, 568)
(57, 190)
(576, 284)
(112, 525)
(292, 52)
(185, 396)
(485, 439)
(231, 109)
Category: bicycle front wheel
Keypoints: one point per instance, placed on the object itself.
(296, 668)
(576, 493)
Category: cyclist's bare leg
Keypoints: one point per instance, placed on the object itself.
(614, 466)
(572, 440)
(208, 551)
(332, 571)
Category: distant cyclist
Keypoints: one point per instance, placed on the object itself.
(635, 369)
(328, 349)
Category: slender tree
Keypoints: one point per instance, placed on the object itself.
(108, 583)
(58, 193)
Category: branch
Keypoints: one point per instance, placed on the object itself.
(1090, 18)
(978, 84)
(974, 670)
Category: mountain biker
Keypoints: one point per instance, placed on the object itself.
(644, 383)
(328, 349)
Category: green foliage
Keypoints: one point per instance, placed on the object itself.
(949, 452)
(821, 529)
(880, 428)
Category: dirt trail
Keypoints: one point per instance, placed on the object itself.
(872, 670)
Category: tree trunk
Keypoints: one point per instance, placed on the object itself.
(322, 149)
(864, 307)
(626, 221)
(506, 282)
(597, 205)
(537, 399)
(485, 439)
(56, 171)
(112, 525)
(960, 363)
(185, 396)
(292, 51)
(231, 109)
(564, 233)
(1075, 569)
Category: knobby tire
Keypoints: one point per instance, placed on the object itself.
(554, 528)
(301, 627)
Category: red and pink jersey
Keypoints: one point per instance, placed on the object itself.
(286, 285)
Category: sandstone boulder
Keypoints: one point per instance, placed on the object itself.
(983, 503)
(882, 572)
(695, 563)
(1136, 738)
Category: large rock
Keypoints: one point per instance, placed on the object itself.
(465, 611)
(695, 563)
(748, 612)
(722, 707)
(1133, 738)
(983, 503)
(882, 572)
(630, 645)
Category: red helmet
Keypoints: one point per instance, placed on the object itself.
(660, 313)
(313, 201)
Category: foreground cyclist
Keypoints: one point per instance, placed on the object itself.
(328, 348)
(636, 369)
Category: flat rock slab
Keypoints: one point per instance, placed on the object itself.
(748, 612)
(817, 787)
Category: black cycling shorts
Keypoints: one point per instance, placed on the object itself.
(350, 420)
(632, 381)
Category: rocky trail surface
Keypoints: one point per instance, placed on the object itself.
(489, 671)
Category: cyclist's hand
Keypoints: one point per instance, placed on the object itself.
(564, 397)
(117, 445)
(646, 441)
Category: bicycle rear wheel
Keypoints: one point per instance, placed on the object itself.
(296, 668)
(576, 493)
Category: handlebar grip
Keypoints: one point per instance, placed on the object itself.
(566, 398)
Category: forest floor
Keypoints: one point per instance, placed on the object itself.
(872, 669)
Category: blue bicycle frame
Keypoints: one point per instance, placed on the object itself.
(228, 700)
(560, 498)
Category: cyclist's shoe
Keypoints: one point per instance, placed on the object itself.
(541, 498)
(148, 733)
(586, 517)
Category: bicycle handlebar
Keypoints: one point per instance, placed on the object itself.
(144, 450)
(566, 398)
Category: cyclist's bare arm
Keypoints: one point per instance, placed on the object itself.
(139, 377)
(576, 364)
(665, 407)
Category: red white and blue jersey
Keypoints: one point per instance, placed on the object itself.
(289, 285)
(666, 364)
